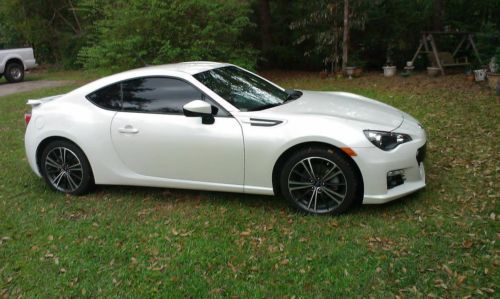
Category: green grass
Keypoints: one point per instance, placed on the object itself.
(148, 242)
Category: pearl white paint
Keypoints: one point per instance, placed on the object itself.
(175, 151)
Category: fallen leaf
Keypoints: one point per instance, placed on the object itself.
(467, 244)
(488, 290)
(447, 270)
(245, 233)
(460, 280)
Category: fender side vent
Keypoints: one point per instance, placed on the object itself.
(259, 122)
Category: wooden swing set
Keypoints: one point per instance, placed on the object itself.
(445, 59)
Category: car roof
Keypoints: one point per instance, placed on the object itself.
(190, 67)
(173, 69)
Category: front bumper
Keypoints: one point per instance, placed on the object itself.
(374, 165)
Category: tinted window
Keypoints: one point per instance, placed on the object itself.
(158, 95)
(108, 97)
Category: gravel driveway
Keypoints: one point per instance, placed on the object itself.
(10, 88)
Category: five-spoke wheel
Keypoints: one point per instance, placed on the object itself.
(319, 181)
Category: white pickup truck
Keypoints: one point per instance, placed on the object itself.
(13, 63)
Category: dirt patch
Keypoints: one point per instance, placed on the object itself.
(11, 88)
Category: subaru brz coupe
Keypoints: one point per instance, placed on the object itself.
(216, 126)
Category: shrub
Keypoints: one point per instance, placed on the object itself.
(134, 33)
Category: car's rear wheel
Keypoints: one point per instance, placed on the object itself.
(319, 180)
(14, 72)
(65, 168)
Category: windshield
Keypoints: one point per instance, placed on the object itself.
(242, 89)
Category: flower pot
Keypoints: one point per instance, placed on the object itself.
(433, 71)
(480, 75)
(350, 71)
(493, 80)
(389, 71)
(357, 72)
(469, 77)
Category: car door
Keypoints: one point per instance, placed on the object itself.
(153, 138)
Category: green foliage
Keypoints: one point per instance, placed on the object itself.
(122, 34)
(53, 28)
(155, 32)
(488, 42)
(324, 25)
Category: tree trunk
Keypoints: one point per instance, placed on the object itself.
(345, 42)
(438, 19)
(265, 25)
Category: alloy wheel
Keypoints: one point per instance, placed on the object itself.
(64, 169)
(317, 184)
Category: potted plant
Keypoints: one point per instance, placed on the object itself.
(479, 74)
(494, 73)
(358, 71)
(359, 64)
(389, 68)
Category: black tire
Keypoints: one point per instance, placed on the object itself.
(14, 72)
(334, 177)
(65, 168)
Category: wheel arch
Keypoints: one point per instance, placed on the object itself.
(287, 153)
(41, 146)
(14, 59)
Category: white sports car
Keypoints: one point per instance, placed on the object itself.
(215, 126)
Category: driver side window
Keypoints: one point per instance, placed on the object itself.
(157, 95)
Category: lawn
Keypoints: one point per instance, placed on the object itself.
(151, 242)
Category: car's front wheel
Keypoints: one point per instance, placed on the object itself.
(319, 180)
(65, 168)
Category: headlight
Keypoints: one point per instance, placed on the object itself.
(386, 140)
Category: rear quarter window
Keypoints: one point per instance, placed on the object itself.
(108, 97)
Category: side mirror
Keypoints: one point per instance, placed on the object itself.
(198, 108)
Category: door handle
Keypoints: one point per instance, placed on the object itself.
(128, 129)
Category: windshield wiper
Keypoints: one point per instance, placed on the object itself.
(293, 94)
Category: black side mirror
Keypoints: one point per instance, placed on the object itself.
(198, 108)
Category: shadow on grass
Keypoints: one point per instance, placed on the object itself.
(225, 199)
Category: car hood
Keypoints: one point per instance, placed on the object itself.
(344, 105)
